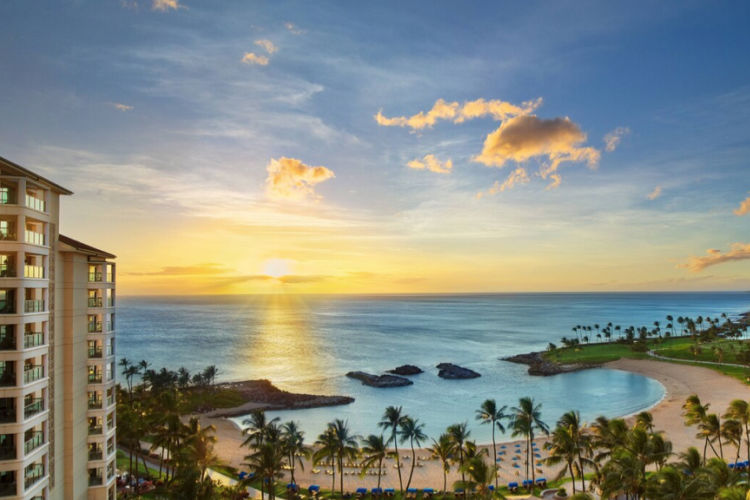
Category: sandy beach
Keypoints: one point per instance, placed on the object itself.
(679, 380)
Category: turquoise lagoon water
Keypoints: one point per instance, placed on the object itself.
(307, 344)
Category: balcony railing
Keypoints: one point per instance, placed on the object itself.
(110, 448)
(7, 196)
(32, 407)
(7, 415)
(111, 302)
(7, 378)
(32, 306)
(95, 352)
(95, 378)
(33, 373)
(8, 453)
(8, 489)
(7, 271)
(32, 474)
(95, 403)
(96, 454)
(34, 238)
(8, 307)
(95, 327)
(110, 400)
(7, 342)
(33, 339)
(95, 302)
(30, 271)
(35, 203)
(95, 276)
(96, 480)
(95, 429)
(7, 236)
(35, 441)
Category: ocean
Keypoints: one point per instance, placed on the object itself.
(307, 344)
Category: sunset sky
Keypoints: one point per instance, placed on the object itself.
(376, 147)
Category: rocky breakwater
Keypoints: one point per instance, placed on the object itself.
(451, 371)
(538, 365)
(406, 370)
(380, 381)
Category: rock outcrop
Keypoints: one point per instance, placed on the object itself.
(406, 370)
(538, 365)
(451, 371)
(381, 381)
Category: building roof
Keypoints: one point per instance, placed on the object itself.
(28, 173)
(83, 247)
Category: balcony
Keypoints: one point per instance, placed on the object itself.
(95, 277)
(95, 378)
(95, 352)
(8, 342)
(7, 271)
(35, 203)
(7, 236)
(7, 453)
(7, 415)
(96, 454)
(35, 272)
(32, 373)
(95, 327)
(8, 489)
(33, 474)
(33, 306)
(110, 448)
(95, 430)
(7, 378)
(32, 407)
(34, 238)
(95, 302)
(33, 339)
(111, 302)
(110, 400)
(8, 306)
(35, 441)
(96, 480)
(95, 403)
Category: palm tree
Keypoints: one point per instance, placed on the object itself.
(490, 414)
(480, 476)
(375, 449)
(346, 446)
(581, 440)
(695, 413)
(391, 421)
(200, 443)
(562, 448)
(527, 418)
(710, 428)
(293, 442)
(459, 433)
(443, 450)
(267, 462)
(740, 410)
(412, 431)
(257, 428)
(690, 460)
(670, 484)
(326, 452)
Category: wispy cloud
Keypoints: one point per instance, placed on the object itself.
(267, 45)
(290, 179)
(122, 107)
(253, 58)
(612, 139)
(165, 5)
(518, 176)
(431, 163)
(210, 268)
(293, 29)
(738, 251)
(744, 207)
(655, 193)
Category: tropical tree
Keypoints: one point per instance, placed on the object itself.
(443, 449)
(525, 420)
(267, 462)
(694, 413)
(200, 446)
(459, 433)
(345, 445)
(257, 428)
(391, 420)
(293, 442)
(490, 414)
(562, 449)
(739, 410)
(411, 430)
(327, 448)
(374, 449)
(480, 474)
(582, 441)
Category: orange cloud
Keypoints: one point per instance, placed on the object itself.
(518, 176)
(253, 58)
(655, 193)
(267, 45)
(290, 179)
(744, 207)
(165, 5)
(612, 139)
(524, 137)
(738, 251)
(122, 107)
(432, 164)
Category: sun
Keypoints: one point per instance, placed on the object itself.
(276, 268)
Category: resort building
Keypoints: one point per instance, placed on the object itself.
(57, 359)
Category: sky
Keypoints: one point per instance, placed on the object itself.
(390, 147)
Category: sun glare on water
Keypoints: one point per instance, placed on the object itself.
(276, 268)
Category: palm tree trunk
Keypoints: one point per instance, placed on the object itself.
(461, 462)
(572, 476)
(494, 451)
(445, 480)
(721, 449)
(398, 462)
(583, 482)
(705, 449)
(380, 470)
(341, 474)
(413, 460)
(333, 476)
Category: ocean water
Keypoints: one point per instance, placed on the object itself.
(308, 343)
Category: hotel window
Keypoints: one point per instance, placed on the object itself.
(7, 229)
(7, 483)
(7, 337)
(7, 373)
(7, 266)
(7, 301)
(110, 421)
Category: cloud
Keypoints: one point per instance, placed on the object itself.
(432, 164)
(165, 5)
(655, 193)
(442, 110)
(612, 139)
(253, 58)
(289, 178)
(744, 207)
(199, 269)
(267, 45)
(527, 136)
(122, 107)
(738, 251)
(518, 176)
(293, 29)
